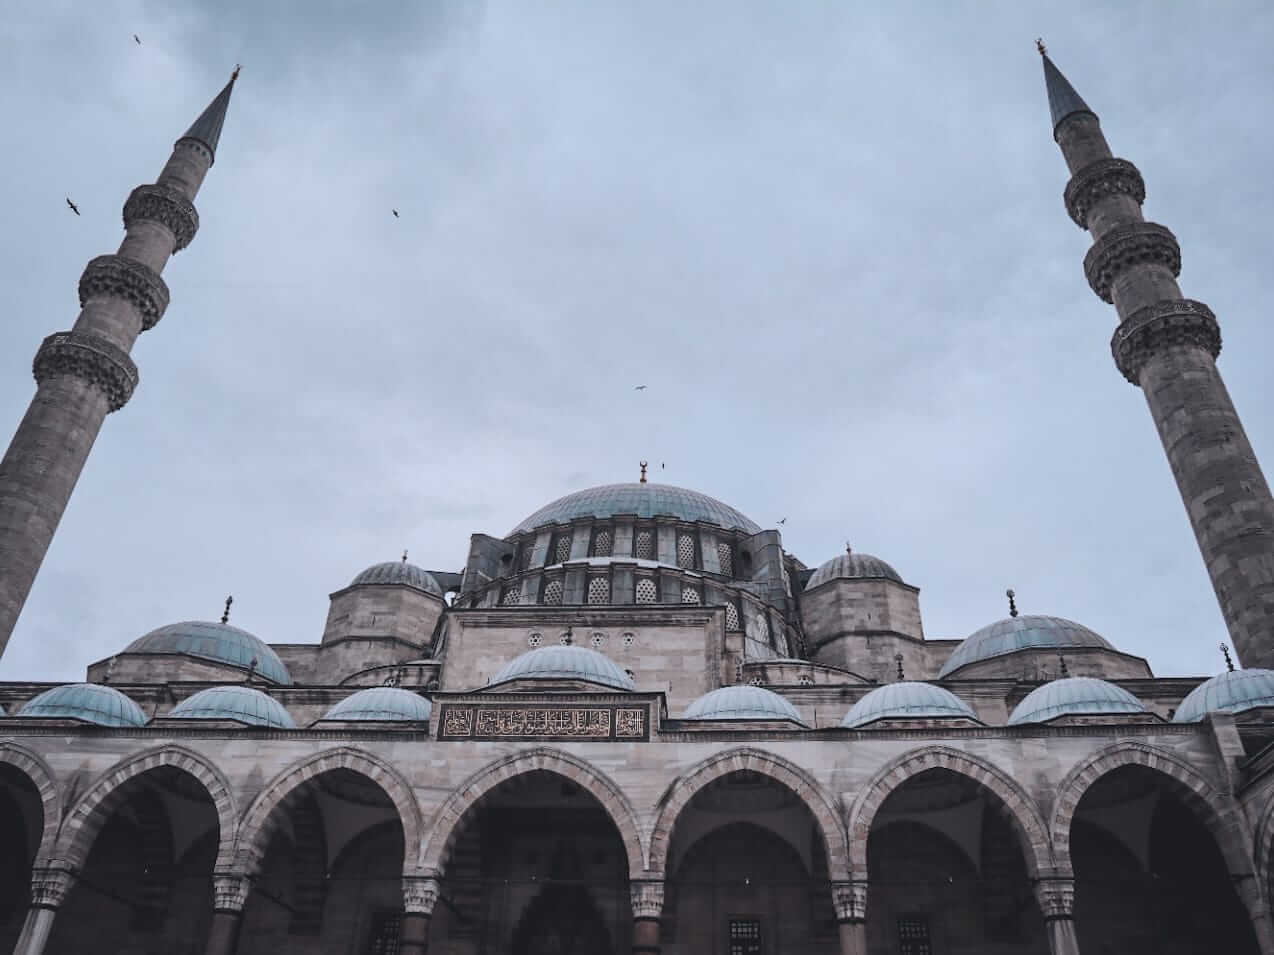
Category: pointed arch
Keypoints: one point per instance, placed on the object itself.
(447, 823)
(746, 759)
(1020, 809)
(31, 765)
(86, 817)
(259, 819)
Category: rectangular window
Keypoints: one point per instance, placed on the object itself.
(913, 935)
(745, 937)
(386, 929)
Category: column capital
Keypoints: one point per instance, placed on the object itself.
(1137, 243)
(1098, 180)
(647, 897)
(230, 891)
(1166, 324)
(850, 901)
(168, 207)
(50, 886)
(1056, 896)
(420, 893)
(90, 358)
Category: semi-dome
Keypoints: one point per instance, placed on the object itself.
(643, 500)
(907, 700)
(852, 566)
(242, 704)
(1027, 632)
(1231, 692)
(398, 572)
(1074, 696)
(219, 642)
(565, 663)
(742, 702)
(382, 704)
(87, 702)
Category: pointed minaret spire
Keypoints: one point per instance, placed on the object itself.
(1167, 345)
(207, 128)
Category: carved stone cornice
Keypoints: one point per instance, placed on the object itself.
(420, 893)
(230, 891)
(49, 886)
(1056, 898)
(1138, 243)
(168, 207)
(123, 278)
(1167, 324)
(647, 899)
(90, 358)
(1096, 181)
(850, 901)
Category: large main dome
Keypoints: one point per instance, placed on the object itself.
(644, 500)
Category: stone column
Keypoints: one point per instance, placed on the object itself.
(648, 904)
(1255, 900)
(1056, 897)
(419, 895)
(229, 896)
(850, 902)
(49, 888)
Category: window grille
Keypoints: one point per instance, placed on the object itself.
(805, 680)
(562, 549)
(689, 595)
(386, 933)
(685, 551)
(913, 935)
(731, 617)
(644, 546)
(725, 557)
(511, 596)
(629, 640)
(599, 590)
(646, 592)
(598, 640)
(553, 593)
(534, 640)
(745, 937)
(602, 544)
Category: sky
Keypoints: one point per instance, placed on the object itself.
(829, 238)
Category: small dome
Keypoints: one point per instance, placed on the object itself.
(241, 704)
(1074, 696)
(907, 700)
(1232, 692)
(643, 500)
(399, 572)
(565, 663)
(87, 702)
(382, 704)
(742, 702)
(1027, 632)
(852, 566)
(219, 642)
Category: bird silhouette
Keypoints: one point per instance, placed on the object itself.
(662, 465)
(395, 212)
(74, 207)
(137, 39)
(640, 388)
(784, 521)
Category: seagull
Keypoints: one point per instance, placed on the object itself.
(74, 207)
(784, 521)
(662, 465)
(137, 39)
(395, 212)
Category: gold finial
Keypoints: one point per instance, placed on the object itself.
(1229, 663)
(225, 615)
(404, 555)
(1039, 45)
(235, 75)
(643, 472)
(898, 660)
(1012, 603)
(1061, 661)
(848, 549)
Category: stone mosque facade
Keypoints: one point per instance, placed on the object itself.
(635, 722)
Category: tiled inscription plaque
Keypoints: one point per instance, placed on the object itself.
(532, 721)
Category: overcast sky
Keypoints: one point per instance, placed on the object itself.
(829, 239)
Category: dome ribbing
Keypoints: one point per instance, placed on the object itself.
(242, 704)
(1027, 632)
(382, 704)
(852, 566)
(565, 663)
(398, 572)
(219, 642)
(87, 702)
(742, 702)
(1074, 696)
(1232, 692)
(907, 700)
(643, 500)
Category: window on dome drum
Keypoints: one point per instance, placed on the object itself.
(599, 590)
(913, 935)
(685, 551)
(602, 543)
(562, 549)
(553, 593)
(511, 596)
(524, 554)
(731, 617)
(646, 591)
(725, 557)
(644, 545)
(690, 595)
(386, 931)
(745, 937)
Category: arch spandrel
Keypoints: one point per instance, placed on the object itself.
(822, 806)
(41, 776)
(448, 822)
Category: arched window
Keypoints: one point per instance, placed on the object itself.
(646, 592)
(644, 545)
(599, 590)
(562, 548)
(511, 596)
(690, 595)
(731, 617)
(553, 593)
(602, 543)
(685, 551)
(725, 557)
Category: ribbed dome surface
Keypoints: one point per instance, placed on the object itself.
(1074, 696)
(1231, 692)
(90, 702)
(239, 703)
(398, 572)
(852, 566)
(214, 641)
(644, 500)
(382, 704)
(742, 702)
(1026, 632)
(566, 663)
(907, 700)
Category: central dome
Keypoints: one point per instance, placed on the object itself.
(643, 500)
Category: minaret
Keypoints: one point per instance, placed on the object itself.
(84, 374)
(1167, 345)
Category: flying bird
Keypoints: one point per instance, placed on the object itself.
(395, 212)
(662, 465)
(784, 521)
(137, 39)
(640, 388)
(74, 207)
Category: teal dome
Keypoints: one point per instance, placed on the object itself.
(643, 500)
(1027, 632)
(219, 642)
(742, 702)
(565, 663)
(87, 702)
(1074, 696)
(852, 566)
(1232, 692)
(382, 704)
(242, 704)
(907, 700)
(399, 572)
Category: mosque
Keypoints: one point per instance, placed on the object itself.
(635, 722)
